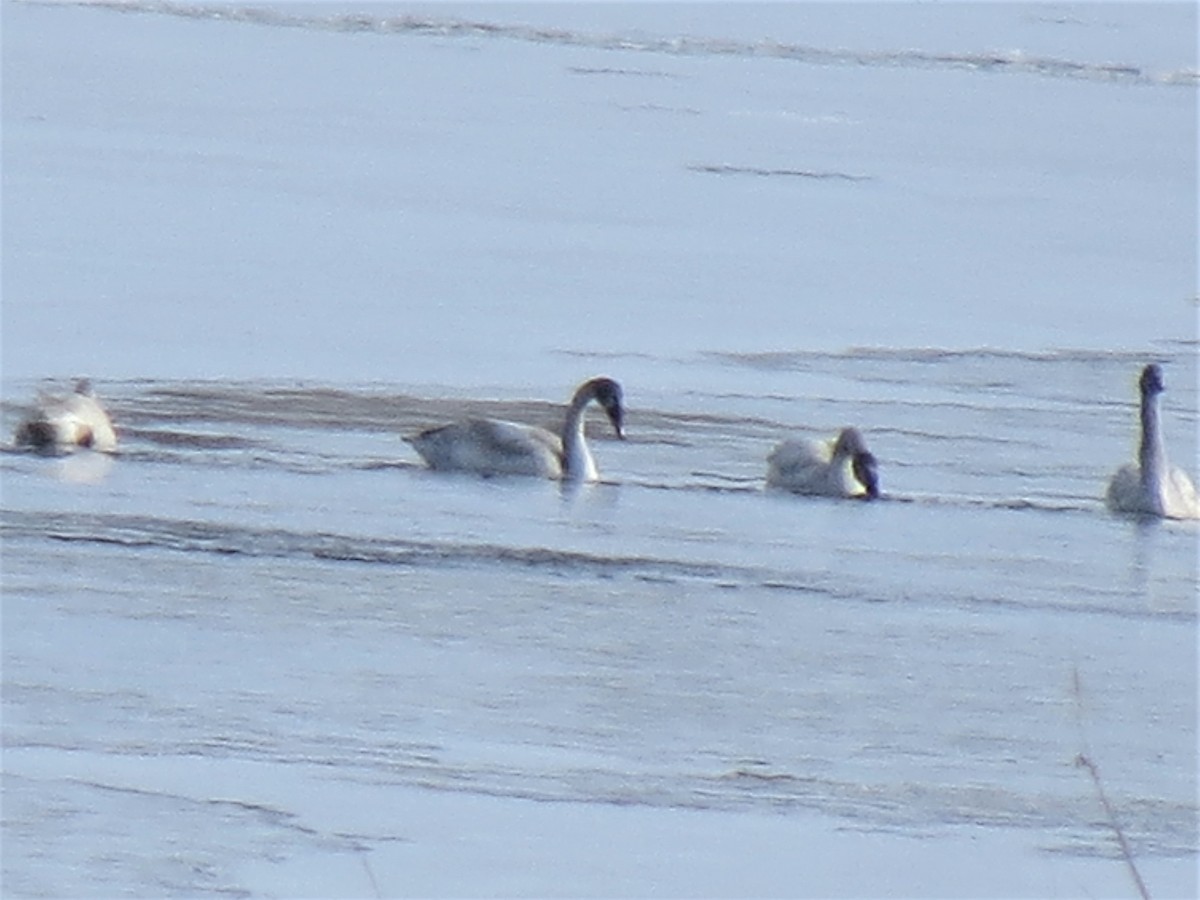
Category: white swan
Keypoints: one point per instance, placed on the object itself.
(842, 467)
(1152, 486)
(61, 424)
(492, 447)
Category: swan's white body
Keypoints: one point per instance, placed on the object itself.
(62, 424)
(493, 447)
(840, 467)
(1152, 486)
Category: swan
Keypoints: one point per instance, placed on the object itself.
(493, 447)
(1152, 486)
(62, 424)
(842, 467)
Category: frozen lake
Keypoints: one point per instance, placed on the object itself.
(263, 652)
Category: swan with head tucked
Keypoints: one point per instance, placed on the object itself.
(842, 467)
(1152, 486)
(62, 424)
(493, 447)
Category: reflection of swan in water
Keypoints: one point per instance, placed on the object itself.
(842, 467)
(493, 447)
(61, 424)
(83, 468)
(1152, 486)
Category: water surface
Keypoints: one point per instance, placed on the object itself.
(263, 640)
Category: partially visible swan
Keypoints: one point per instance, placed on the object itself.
(842, 467)
(1152, 486)
(492, 447)
(61, 424)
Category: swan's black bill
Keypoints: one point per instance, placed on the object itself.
(616, 415)
(866, 471)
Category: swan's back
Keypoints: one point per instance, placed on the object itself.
(491, 447)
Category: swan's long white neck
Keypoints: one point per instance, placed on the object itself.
(578, 464)
(1152, 454)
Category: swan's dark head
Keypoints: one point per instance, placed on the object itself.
(849, 442)
(865, 470)
(1152, 379)
(608, 394)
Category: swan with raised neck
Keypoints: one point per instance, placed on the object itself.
(1152, 486)
(495, 447)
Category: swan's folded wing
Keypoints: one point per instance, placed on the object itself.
(796, 462)
(799, 453)
(491, 447)
(510, 440)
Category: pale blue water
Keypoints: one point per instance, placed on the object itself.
(353, 228)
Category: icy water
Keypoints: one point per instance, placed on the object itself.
(266, 575)
(263, 652)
